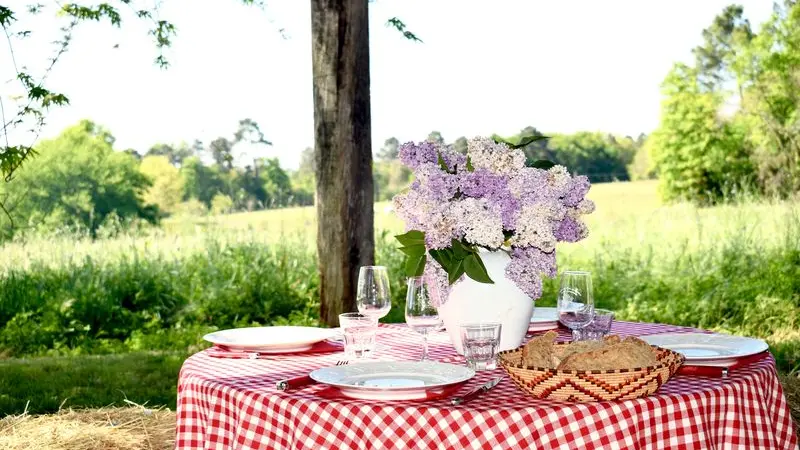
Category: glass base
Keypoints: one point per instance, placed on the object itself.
(482, 365)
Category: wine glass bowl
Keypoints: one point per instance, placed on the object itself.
(575, 301)
(373, 296)
(421, 314)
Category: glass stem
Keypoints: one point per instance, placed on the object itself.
(424, 346)
(576, 334)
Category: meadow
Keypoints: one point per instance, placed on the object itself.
(74, 311)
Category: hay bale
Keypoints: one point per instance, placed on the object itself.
(128, 428)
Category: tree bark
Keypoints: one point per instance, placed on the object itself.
(342, 151)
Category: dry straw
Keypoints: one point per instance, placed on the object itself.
(590, 385)
(127, 428)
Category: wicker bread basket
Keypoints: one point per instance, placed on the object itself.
(590, 385)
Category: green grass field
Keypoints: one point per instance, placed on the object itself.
(732, 268)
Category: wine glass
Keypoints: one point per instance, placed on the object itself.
(373, 296)
(575, 301)
(421, 315)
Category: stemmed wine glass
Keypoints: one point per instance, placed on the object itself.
(575, 301)
(373, 296)
(421, 314)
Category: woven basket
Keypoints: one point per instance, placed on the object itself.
(590, 385)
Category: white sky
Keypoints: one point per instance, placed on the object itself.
(485, 66)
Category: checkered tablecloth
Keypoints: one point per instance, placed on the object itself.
(233, 403)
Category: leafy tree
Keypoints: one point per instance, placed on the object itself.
(78, 180)
(221, 151)
(389, 150)
(175, 153)
(167, 187)
(460, 145)
(435, 137)
(698, 157)
(201, 182)
(302, 179)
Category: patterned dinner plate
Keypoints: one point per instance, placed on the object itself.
(701, 348)
(393, 380)
(279, 339)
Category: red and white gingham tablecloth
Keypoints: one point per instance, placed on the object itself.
(233, 403)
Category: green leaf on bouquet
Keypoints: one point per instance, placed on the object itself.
(413, 237)
(456, 271)
(475, 269)
(414, 250)
(442, 164)
(444, 257)
(415, 266)
(460, 251)
(518, 141)
(543, 164)
(470, 167)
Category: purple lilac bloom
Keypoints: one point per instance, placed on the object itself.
(569, 230)
(531, 185)
(482, 183)
(537, 260)
(579, 186)
(527, 280)
(433, 182)
(413, 155)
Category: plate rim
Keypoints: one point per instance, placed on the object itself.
(761, 346)
(545, 320)
(330, 332)
(343, 387)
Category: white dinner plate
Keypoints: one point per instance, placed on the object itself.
(544, 318)
(394, 380)
(702, 347)
(280, 339)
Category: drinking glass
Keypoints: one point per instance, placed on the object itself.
(575, 301)
(599, 326)
(373, 296)
(481, 341)
(421, 315)
(359, 334)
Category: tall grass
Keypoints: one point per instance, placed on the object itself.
(733, 268)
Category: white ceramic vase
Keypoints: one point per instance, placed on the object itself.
(502, 302)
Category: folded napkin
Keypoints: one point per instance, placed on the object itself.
(220, 351)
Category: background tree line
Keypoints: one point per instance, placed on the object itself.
(730, 122)
(78, 180)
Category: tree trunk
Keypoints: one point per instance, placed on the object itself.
(342, 151)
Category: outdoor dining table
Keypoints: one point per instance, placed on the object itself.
(234, 403)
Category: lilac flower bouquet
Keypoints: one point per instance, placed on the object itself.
(487, 199)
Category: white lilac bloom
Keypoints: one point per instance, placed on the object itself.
(559, 180)
(480, 223)
(586, 206)
(535, 225)
(495, 157)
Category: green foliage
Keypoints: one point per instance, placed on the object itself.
(699, 158)
(702, 152)
(221, 204)
(167, 185)
(458, 259)
(78, 181)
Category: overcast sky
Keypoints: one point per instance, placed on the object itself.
(484, 67)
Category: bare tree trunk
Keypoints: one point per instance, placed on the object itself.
(343, 150)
